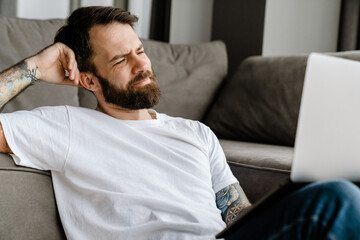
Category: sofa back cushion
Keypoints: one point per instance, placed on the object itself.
(21, 38)
(261, 101)
(188, 75)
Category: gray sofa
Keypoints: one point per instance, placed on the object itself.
(254, 114)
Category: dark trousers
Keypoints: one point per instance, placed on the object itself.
(321, 210)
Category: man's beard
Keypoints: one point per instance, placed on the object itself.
(132, 97)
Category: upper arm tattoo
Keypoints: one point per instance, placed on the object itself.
(231, 200)
(14, 80)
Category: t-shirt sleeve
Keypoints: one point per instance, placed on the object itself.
(39, 138)
(220, 170)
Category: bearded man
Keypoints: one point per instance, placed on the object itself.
(124, 171)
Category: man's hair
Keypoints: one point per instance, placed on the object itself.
(75, 33)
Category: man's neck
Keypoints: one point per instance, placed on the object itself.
(124, 114)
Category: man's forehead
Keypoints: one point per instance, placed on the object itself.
(113, 39)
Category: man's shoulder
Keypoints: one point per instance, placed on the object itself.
(60, 109)
(38, 110)
(64, 110)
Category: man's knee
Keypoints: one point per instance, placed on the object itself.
(333, 206)
(333, 197)
(340, 189)
(321, 210)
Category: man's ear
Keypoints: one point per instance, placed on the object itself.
(88, 81)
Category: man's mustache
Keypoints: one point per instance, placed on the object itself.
(141, 76)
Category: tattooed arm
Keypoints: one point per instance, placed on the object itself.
(231, 200)
(16, 79)
(13, 81)
(49, 65)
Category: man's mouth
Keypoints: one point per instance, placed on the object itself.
(143, 82)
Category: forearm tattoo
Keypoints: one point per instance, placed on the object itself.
(14, 80)
(231, 200)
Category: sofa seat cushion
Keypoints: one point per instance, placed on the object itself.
(263, 156)
(258, 167)
(27, 203)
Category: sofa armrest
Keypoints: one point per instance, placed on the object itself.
(258, 167)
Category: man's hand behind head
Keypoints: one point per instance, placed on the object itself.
(52, 63)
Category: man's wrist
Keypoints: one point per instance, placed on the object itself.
(32, 70)
(235, 211)
(15, 79)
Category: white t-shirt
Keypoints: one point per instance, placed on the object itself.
(123, 179)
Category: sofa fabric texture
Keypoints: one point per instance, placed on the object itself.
(265, 95)
(258, 167)
(188, 76)
(27, 204)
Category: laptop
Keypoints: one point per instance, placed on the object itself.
(327, 143)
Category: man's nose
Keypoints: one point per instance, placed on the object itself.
(140, 64)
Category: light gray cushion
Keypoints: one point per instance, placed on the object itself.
(258, 167)
(87, 99)
(21, 38)
(260, 102)
(27, 203)
(188, 75)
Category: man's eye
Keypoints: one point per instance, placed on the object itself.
(140, 52)
(122, 60)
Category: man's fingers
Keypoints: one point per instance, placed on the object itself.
(70, 56)
(72, 66)
(68, 62)
(57, 64)
(76, 73)
(63, 61)
(76, 76)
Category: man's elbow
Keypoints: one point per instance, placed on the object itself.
(4, 147)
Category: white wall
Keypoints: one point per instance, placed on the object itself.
(48, 9)
(85, 3)
(142, 9)
(291, 26)
(190, 21)
(300, 26)
(44, 9)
